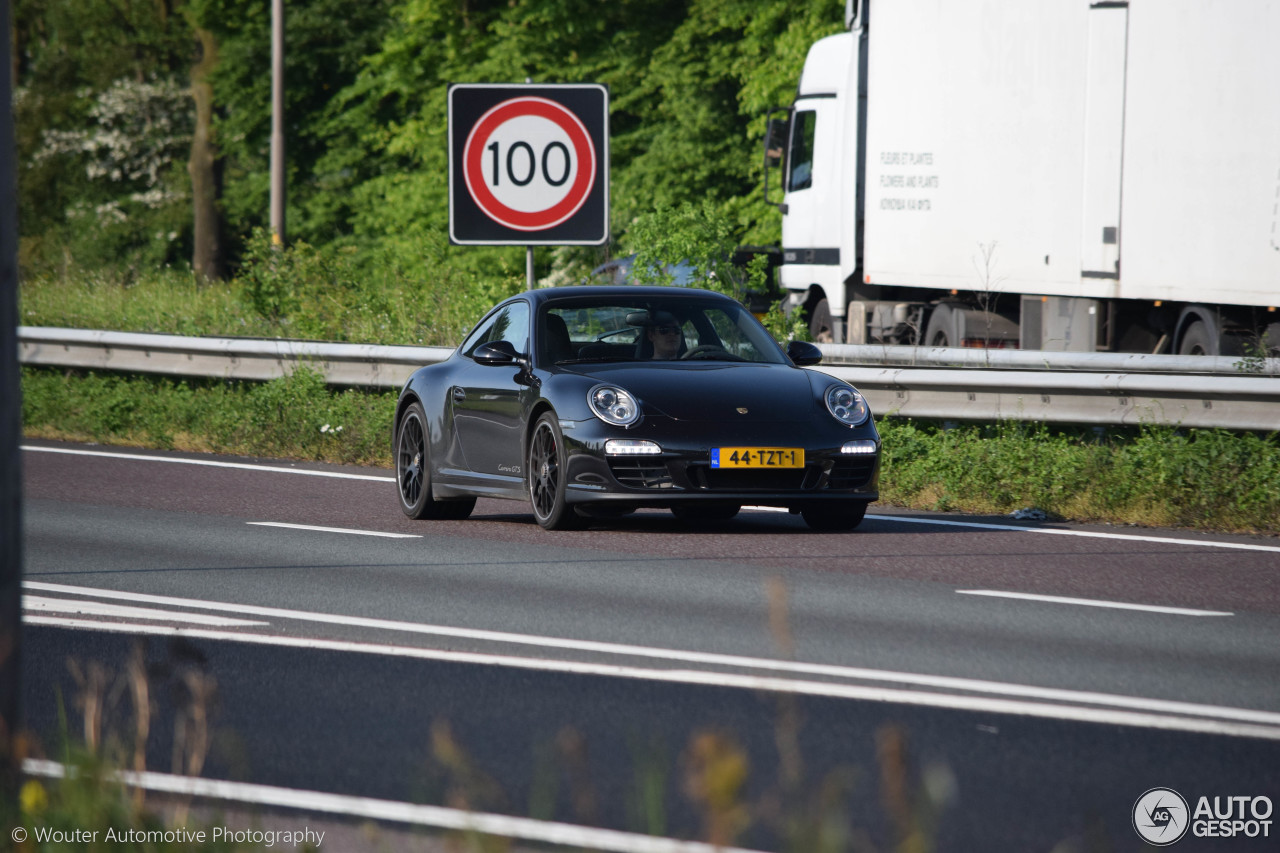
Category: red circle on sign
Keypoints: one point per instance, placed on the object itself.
(583, 181)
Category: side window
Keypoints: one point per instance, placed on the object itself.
(800, 166)
(509, 324)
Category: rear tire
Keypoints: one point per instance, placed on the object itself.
(413, 472)
(547, 467)
(834, 517)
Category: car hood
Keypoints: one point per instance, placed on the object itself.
(744, 393)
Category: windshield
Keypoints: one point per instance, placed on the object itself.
(663, 329)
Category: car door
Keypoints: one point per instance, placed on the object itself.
(488, 402)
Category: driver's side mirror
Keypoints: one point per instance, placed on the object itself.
(803, 353)
(775, 139)
(775, 145)
(497, 354)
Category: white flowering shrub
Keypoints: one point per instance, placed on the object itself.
(139, 130)
(133, 148)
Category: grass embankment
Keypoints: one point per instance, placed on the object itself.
(301, 293)
(1205, 479)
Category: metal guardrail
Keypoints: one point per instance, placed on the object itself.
(222, 358)
(958, 384)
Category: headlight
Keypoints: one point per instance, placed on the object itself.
(846, 405)
(613, 405)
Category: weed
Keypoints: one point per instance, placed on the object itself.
(88, 805)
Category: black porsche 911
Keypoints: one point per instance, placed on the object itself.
(595, 401)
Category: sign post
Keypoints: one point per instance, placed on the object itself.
(528, 164)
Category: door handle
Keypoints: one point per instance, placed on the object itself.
(459, 394)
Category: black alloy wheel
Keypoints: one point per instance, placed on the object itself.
(546, 476)
(413, 472)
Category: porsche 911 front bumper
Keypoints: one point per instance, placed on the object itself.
(681, 469)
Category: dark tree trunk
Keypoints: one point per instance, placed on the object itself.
(206, 257)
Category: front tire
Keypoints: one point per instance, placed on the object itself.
(413, 472)
(546, 470)
(834, 516)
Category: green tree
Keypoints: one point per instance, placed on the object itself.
(688, 83)
(326, 42)
(366, 120)
(101, 117)
(712, 80)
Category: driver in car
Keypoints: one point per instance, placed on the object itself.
(666, 336)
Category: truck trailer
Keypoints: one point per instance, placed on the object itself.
(1070, 175)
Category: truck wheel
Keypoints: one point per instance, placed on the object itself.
(938, 332)
(820, 323)
(1197, 341)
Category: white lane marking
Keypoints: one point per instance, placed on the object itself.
(1165, 540)
(1088, 534)
(1091, 602)
(335, 530)
(1051, 694)
(41, 604)
(524, 829)
(208, 463)
(755, 683)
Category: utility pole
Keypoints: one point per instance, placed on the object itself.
(10, 430)
(277, 123)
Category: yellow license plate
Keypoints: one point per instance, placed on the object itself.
(757, 457)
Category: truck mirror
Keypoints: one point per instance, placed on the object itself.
(777, 131)
(775, 142)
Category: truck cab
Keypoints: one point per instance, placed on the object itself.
(821, 217)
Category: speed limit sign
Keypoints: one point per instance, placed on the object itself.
(528, 165)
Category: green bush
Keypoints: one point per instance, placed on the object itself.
(297, 417)
(1159, 475)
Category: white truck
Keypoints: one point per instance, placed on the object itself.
(1051, 174)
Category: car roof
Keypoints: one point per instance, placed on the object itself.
(628, 292)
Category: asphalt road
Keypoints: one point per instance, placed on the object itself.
(1039, 677)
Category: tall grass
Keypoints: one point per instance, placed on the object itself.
(297, 417)
(419, 299)
(1153, 475)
